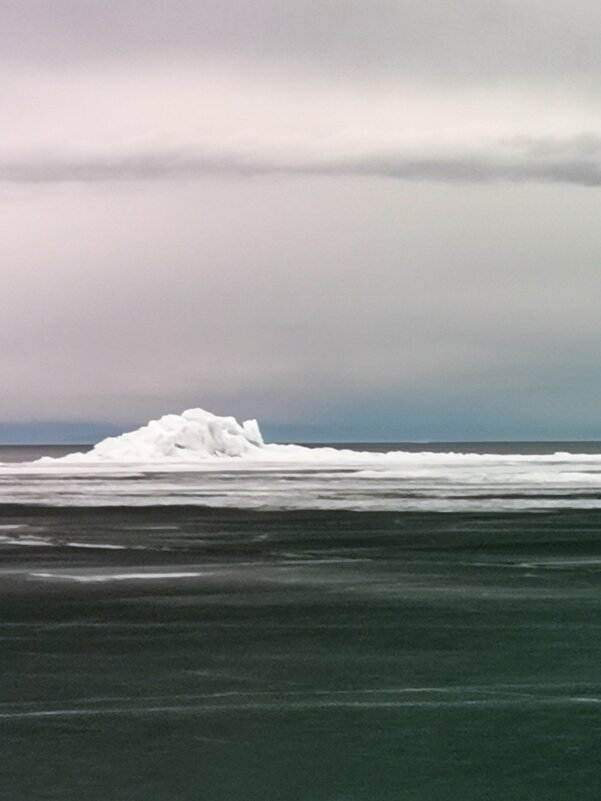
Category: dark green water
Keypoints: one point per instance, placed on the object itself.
(309, 656)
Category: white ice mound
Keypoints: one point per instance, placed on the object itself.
(190, 436)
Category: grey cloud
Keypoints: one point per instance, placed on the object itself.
(574, 161)
(450, 39)
(583, 172)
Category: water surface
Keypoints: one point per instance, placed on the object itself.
(177, 653)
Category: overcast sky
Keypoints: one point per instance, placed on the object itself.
(350, 219)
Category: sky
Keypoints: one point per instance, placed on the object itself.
(349, 219)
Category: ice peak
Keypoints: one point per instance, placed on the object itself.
(194, 434)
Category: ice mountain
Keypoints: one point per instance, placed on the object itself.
(194, 434)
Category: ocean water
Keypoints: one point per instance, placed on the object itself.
(313, 634)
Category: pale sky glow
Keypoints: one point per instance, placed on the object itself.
(347, 219)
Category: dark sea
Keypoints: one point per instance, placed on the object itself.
(177, 650)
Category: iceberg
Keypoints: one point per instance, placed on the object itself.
(193, 435)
